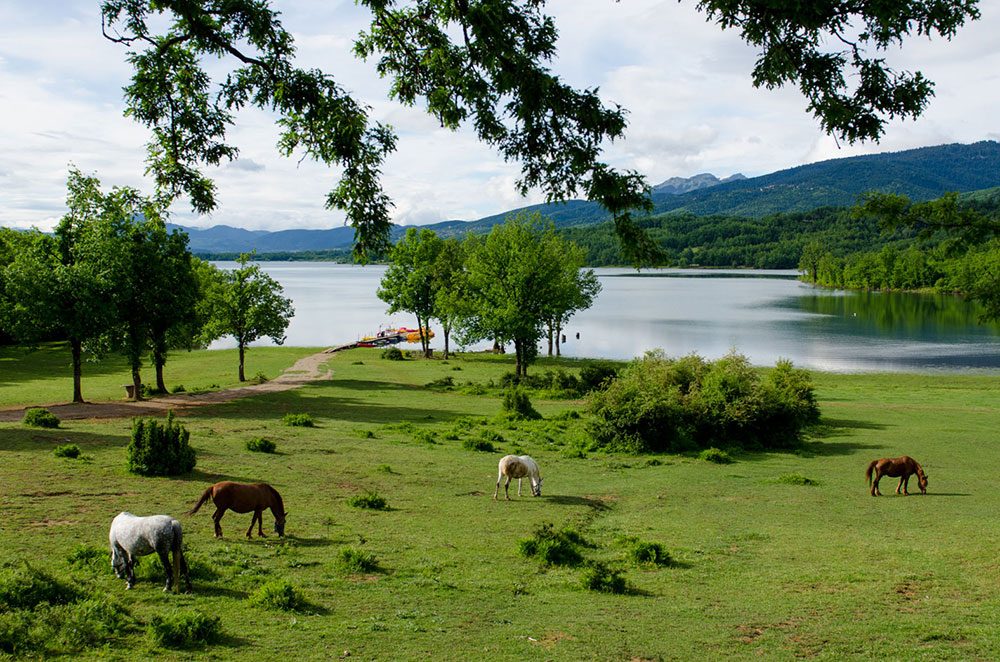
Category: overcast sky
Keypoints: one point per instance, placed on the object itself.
(685, 82)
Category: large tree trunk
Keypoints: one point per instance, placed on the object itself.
(159, 360)
(77, 349)
(136, 380)
(446, 330)
(558, 336)
(242, 353)
(549, 327)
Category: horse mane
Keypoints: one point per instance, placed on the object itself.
(279, 504)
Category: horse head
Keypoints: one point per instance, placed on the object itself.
(922, 482)
(536, 487)
(279, 524)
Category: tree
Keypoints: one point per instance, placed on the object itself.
(247, 304)
(812, 252)
(481, 62)
(511, 279)
(409, 284)
(573, 290)
(451, 287)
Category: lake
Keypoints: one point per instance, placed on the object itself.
(765, 315)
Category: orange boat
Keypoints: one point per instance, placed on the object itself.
(386, 337)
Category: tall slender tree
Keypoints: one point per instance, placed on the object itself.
(409, 284)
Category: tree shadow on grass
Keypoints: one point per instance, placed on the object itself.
(45, 440)
(309, 542)
(199, 476)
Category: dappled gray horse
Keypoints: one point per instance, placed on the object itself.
(133, 536)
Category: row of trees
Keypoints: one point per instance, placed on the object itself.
(112, 278)
(520, 283)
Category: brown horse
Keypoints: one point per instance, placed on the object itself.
(901, 467)
(241, 498)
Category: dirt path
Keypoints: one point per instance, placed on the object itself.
(303, 371)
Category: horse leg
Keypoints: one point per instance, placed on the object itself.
(253, 519)
(878, 477)
(506, 488)
(518, 487)
(184, 571)
(217, 517)
(129, 571)
(165, 560)
(497, 490)
(260, 523)
(905, 480)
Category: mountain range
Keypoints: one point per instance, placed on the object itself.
(921, 174)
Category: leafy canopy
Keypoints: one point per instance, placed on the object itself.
(482, 63)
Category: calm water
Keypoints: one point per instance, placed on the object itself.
(764, 314)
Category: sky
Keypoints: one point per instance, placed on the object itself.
(685, 82)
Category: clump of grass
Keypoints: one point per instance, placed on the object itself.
(516, 405)
(600, 577)
(492, 435)
(574, 453)
(39, 417)
(424, 436)
(456, 368)
(796, 479)
(368, 501)
(715, 455)
(261, 445)
(393, 354)
(72, 451)
(384, 469)
(648, 553)
(26, 588)
(89, 557)
(180, 629)
(366, 434)
(478, 444)
(569, 414)
(444, 383)
(353, 560)
(553, 547)
(298, 420)
(278, 595)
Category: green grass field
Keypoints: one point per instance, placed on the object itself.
(763, 567)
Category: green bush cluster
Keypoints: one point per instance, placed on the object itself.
(72, 451)
(663, 405)
(597, 375)
(393, 354)
(180, 629)
(796, 479)
(446, 383)
(553, 547)
(600, 577)
(279, 595)
(261, 445)
(641, 552)
(39, 417)
(715, 455)
(159, 450)
(298, 420)
(516, 405)
(352, 560)
(478, 444)
(368, 501)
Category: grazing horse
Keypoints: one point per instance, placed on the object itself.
(518, 466)
(133, 536)
(242, 498)
(901, 467)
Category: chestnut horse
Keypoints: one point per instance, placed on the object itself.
(242, 498)
(901, 467)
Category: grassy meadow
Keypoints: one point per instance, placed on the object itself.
(765, 562)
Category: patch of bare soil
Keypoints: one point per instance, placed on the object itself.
(304, 371)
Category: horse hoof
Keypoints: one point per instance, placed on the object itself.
(128, 587)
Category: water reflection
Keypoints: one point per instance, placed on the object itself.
(764, 314)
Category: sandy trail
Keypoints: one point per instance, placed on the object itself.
(303, 371)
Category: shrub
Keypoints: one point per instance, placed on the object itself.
(444, 382)
(368, 501)
(89, 557)
(649, 553)
(596, 375)
(184, 629)
(71, 451)
(392, 354)
(516, 405)
(796, 479)
(279, 595)
(178, 389)
(39, 417)
(715, 455)
(352, 560)
(88, 623)
(159, 450)
(598, 576)
(298, 420)
(553, 547)
(261, 445)
(569, 414)
(478, 444)
(27, 588)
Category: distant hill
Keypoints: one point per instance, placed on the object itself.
(921, 174)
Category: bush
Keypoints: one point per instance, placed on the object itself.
(796, 479)
(596, 375)
(392, 354)
(553, 547)
(368, 501)
(178, 389)
(88, 623)
(279, 595)
(599, 577)
(261, 445)
(298, 420)
(159, 450)
(27, 588)
(649, 553)
(90, 558)
(478, 444)
(39, 417)
(715, 455)
(444, 383)
(516, 405)
(662, 405)
(71, 451)
(184, 629)
(351, 560)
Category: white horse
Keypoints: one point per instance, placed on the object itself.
(518, 466)
(133, 536)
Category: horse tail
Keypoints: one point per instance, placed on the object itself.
(204, 497)
(177, 546)
(868, 473)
